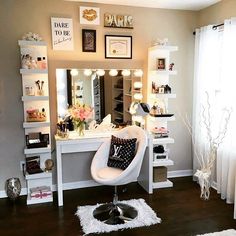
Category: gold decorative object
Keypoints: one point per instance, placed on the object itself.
(49, 163)
(90, 14)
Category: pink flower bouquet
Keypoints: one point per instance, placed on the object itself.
(80, 114)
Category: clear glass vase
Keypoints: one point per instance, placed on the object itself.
(80, 129)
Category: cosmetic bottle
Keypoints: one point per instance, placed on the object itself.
(39, 62)
(44, 63)
(43, 113)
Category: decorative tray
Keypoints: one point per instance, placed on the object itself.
(162, 115)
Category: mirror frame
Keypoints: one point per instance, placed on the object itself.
(64, 64)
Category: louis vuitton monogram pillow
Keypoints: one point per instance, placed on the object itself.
(122, 152)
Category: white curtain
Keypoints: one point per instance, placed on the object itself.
(215, 72)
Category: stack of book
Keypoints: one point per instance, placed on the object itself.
(40, 192)
(161, 132)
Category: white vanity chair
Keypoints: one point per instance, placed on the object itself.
(115, 212)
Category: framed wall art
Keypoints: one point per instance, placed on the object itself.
(88, 40)
(62, 33)
(118, 47)
(118, 21)
(161, 64)
(89, 15)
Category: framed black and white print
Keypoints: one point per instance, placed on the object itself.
(118, 47)
(88, 40)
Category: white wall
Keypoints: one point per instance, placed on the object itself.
(217, 13)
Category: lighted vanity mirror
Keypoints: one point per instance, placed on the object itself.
(107, 91)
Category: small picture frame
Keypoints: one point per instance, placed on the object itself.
(161, 64)
(161, 90)
(88, 40)
(118, 47)
(89, 15)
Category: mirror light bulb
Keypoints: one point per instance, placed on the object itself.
(125, 72)
(113, 72)
(138, 96)
(87, 72)
(74, 72)
(100, 72)
(138, 85)
(138, 73)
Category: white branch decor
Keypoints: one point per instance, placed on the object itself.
(206, 160)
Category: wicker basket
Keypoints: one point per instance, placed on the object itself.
(159, 174)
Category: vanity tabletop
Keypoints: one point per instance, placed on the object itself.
(88, 134)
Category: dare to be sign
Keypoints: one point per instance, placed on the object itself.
(62, 33)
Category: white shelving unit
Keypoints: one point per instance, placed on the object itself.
(36, 99)
(159, 77)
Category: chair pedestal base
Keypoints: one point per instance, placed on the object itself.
(113, 214)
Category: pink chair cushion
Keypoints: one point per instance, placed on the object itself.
(109, 173)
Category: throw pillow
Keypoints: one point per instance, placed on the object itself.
(122, 152)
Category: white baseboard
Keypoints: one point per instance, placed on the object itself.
(66, 186)
(80, 184)
(214, 185)
(91, 183)
(23, 192)
(179, 173)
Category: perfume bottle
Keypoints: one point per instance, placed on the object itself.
(39, 62)
(43, 113)
(44, 63)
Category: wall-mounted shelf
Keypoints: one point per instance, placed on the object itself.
(164, 162)
(164, 184)
(38, 176)
(163, 95)
(164, 72)
(31, 201)
(29, 151)
(163, 119)
(163, 141)
(33, 71)
(27, 125)
(165, 48)
(31, 43)
(34, 98)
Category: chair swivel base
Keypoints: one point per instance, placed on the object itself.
(114, 214)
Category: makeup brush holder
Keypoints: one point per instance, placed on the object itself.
(40, 92)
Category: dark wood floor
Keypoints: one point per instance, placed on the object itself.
(181, 211)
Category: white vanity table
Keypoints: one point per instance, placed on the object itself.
(91, 141)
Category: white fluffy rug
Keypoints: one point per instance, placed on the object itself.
(146, 216)
(229, 232)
